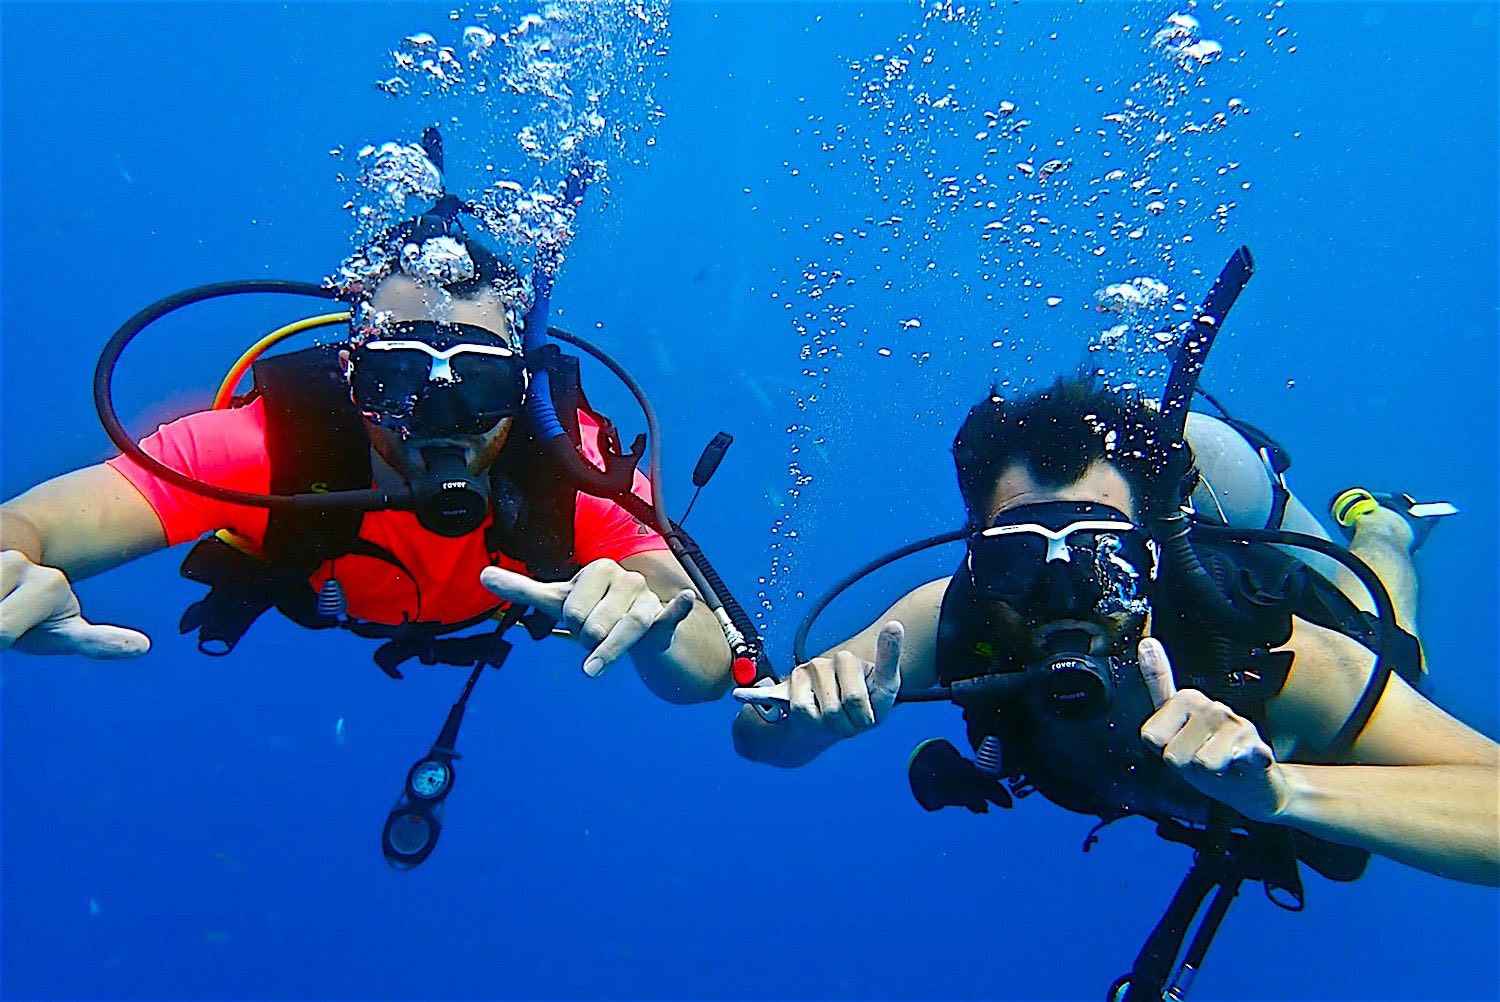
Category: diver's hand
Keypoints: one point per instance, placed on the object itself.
(605, 607)
(842, 695)
(39, 614)
(1219, 752)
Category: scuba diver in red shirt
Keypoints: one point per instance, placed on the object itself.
(430, 472)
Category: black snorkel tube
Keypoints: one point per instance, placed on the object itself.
(362, 500)
(1193, 352)
(1173, 530)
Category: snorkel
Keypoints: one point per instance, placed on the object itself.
(617, 480)
(1174, 528)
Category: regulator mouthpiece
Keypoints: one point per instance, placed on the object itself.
(452, 501)
(1071, 680)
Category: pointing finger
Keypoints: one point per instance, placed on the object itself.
(518, 589)
(1156, 671)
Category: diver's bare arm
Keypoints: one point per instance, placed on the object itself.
(82, 523)
(1418, 786)
(695, 667)
(787, 745)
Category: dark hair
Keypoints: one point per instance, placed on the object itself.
(1059, 432)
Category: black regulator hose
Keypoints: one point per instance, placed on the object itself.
(745, 642)
(104, 402)
(799, 642)
(588, 474)
(1380, 674)
(1202, 591)
(710, 574)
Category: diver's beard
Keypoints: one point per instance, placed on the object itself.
(489, 448)
(1114, 635)
(404, 456)
(1020, 642)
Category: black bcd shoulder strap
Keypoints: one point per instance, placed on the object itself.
(316, 441)
(533, 501)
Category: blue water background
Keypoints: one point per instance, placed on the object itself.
(177, 827)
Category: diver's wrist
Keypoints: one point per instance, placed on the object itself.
(1292, 793)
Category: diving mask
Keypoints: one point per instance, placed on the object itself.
(425, 378)
(1076, 573)
(1063, 560)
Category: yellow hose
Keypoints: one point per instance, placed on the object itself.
(237, 371)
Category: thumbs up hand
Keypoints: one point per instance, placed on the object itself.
(1217, 751)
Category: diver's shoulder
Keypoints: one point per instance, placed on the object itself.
(925, 599)
(215, 434)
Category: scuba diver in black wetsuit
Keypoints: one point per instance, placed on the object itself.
(1117, 651)
(431, 472)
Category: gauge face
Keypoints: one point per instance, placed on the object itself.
(408, 834)
(430, 778)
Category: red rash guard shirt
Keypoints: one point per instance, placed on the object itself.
(228, 448)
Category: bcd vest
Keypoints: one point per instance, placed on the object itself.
(316, 442)
(1101, 766)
